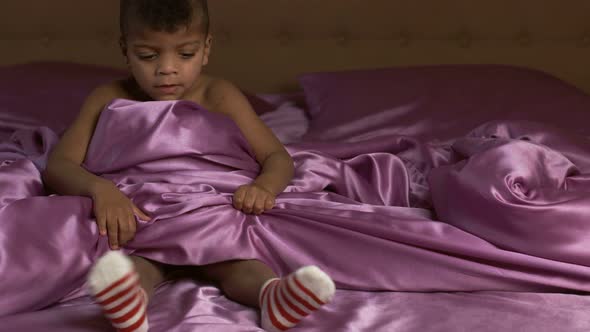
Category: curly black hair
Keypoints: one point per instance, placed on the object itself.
(163, 15)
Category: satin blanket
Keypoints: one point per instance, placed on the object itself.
(505, 208)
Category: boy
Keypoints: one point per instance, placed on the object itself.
(166, 45)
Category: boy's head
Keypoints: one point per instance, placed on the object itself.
(166, 43)
(163, 15)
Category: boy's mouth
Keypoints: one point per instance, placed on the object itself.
(167, 88)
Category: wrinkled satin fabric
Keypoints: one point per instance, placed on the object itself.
(503, 209)
(187, 306)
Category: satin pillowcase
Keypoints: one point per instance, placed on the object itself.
(51, 93)
(436, 102)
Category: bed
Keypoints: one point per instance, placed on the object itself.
(442, 155)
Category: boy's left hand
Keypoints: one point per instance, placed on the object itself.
(253, 198)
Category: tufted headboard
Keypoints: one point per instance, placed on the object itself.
(264, 44)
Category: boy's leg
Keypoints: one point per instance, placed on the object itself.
(122, 285)
(240, 281)
(283, 302)
(150, 274)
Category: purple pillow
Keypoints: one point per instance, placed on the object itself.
(259, 105)
(52, 93)
(437, 102)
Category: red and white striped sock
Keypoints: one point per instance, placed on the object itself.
(285, 302)
(115, 286)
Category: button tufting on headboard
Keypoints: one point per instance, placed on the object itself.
(404, 38)
(280, 39)
(585, 40)
(342, 38)
(524, 38)
(464, 38)
(223, 36)
(46, 41)
(284, 37)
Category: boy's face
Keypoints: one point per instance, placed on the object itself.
(167, 65)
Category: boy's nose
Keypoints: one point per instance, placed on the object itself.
(167, 67)
(167, 70)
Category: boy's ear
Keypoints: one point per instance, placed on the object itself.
(207, 50)
(123, 45)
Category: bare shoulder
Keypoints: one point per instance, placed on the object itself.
(223, 96)
(111, 90)
(216, 85)
(76, 138)
(103, 94)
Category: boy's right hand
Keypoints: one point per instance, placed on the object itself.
(115, 214)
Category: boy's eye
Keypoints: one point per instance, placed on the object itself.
(187, 55)
(146, 56)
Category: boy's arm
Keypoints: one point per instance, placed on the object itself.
(277, 165)
(63, 174)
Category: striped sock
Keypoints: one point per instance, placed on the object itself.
(115, 286)
(285, 302)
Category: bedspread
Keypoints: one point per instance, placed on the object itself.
(502, 209)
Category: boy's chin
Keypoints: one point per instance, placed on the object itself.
(167, 98)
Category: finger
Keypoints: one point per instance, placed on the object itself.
(130, 222)
(269, 203)
(123, 223)
(238, 198)
(259, 205)
(101, 220)
(113, 231)
(142, 215)
(249, 201)
(132, 226)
